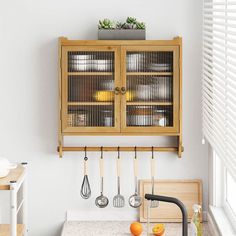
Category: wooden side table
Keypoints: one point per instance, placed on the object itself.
(15, 181)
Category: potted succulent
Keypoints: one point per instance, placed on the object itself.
(131, 29)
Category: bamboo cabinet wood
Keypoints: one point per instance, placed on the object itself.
(120, 88)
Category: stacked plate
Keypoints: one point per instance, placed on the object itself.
(102, 65)
(80, 62)
(88, 63)
(159, 67)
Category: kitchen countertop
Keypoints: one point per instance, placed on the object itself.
(116, 228)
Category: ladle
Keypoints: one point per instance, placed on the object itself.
(101, 201)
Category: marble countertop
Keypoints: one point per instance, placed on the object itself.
(117, 228)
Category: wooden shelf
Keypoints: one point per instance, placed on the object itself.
(5, 230)
(90, 103)
(149, 103)
(122, 149)
(90, 73)
(14, 175)
(150, 73)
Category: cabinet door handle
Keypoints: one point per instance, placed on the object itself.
(117, 90)
(123, 90)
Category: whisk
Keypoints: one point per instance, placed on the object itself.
(85, 191)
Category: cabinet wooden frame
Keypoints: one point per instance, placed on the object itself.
(120, 48)
(64, 82)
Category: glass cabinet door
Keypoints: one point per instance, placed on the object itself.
(150, 89)
(90, 102)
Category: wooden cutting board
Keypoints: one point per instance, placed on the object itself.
(187, 191)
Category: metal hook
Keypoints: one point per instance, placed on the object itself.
(135, 152)
(118, 149)
(101, 152)
(152, 152)
(85, 153)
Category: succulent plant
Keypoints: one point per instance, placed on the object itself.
(131, 23)
(119, 25)
(127, 26)
(106, 24)
(140, 25)
(131, 20)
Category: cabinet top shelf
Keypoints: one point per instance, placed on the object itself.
(66, 42)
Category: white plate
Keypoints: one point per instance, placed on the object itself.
(80, 57)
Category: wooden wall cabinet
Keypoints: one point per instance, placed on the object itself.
(120, 88)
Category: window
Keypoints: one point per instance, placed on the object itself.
(224, 190)
(219, 101)
(219, 80)
(230, 195)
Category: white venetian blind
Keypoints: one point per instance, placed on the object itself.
(219, 79)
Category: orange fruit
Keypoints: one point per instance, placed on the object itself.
(136, 228)
(158, 229)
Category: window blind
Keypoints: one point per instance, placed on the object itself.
(219, 79)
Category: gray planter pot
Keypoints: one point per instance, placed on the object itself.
(122, 34)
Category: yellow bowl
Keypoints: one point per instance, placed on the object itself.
(104, 96)
(129, 96)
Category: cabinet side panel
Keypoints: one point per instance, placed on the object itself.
(59, 94)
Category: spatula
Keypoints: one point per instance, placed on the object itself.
(153, 204)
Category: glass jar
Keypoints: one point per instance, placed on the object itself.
(107, 118)
(159, 118)
(80, 118)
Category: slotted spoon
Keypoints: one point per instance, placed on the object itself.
(135, 200)
(118, 200)
(101, 201)
(85, 191)
(153, 203)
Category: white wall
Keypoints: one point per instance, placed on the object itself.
(28, 101)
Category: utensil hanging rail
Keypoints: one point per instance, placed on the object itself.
(61, 149)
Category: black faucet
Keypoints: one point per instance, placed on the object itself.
(176, 202)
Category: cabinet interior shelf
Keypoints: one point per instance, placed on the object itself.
(87, 73)
(90, 103)
(151, 73)
(149, 103)
(128, 103)
(90, 73)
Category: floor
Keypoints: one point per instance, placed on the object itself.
(117, 228)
